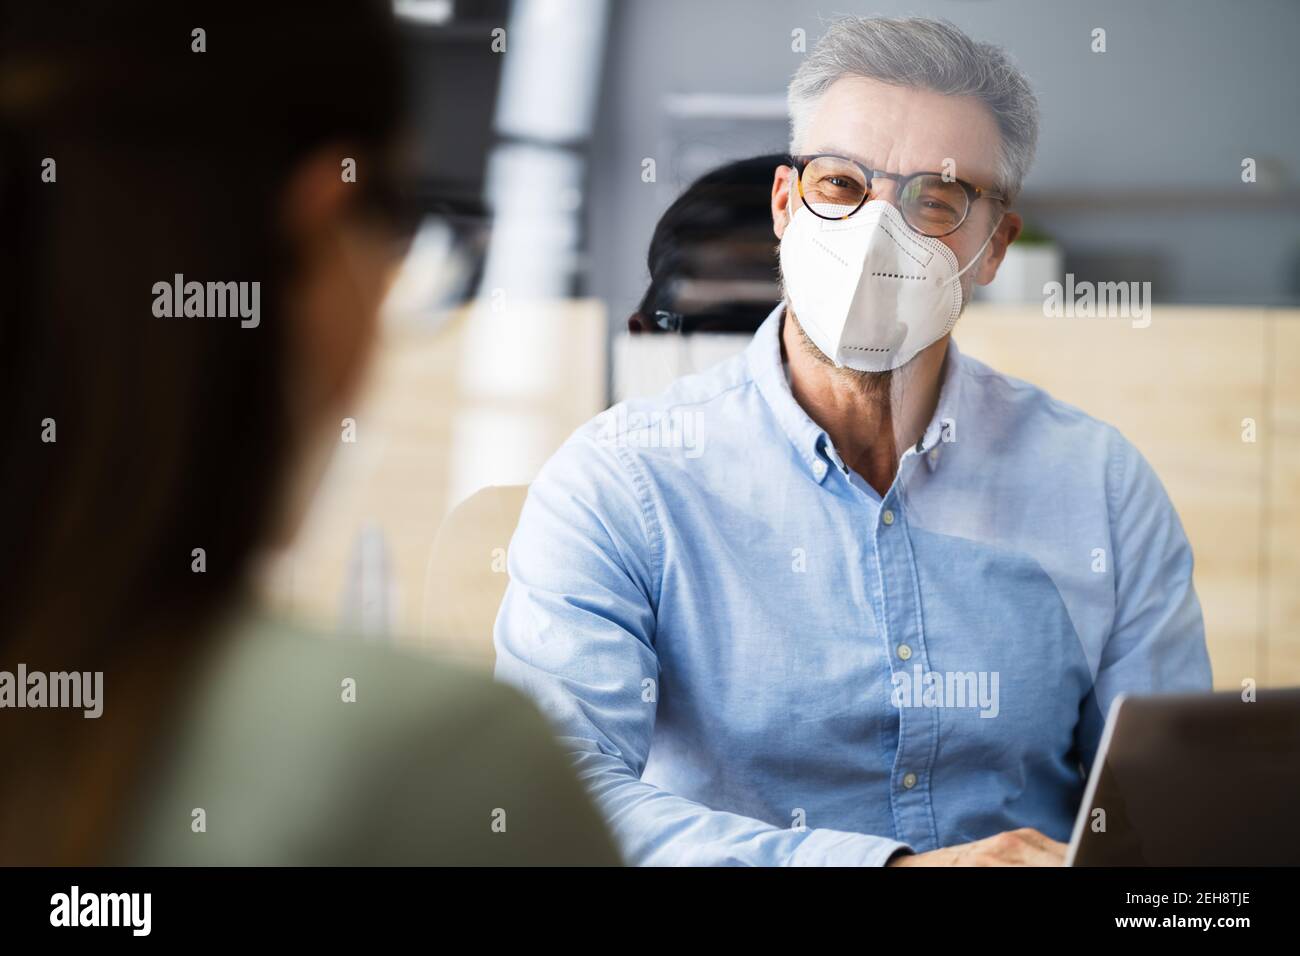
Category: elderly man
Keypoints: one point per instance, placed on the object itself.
(878, 615)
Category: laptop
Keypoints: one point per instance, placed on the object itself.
(1194, 780)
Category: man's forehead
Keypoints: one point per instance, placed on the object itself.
(887, 127)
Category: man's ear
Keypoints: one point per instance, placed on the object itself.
(1008, 229)
(782, 187)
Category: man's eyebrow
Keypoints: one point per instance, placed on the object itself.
(847, 154)
(871, 167)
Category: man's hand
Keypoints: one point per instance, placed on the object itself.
(1023, 847)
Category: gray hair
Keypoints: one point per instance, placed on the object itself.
(925, 54)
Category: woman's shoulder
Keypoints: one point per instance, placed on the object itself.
(301, 747)
(294, 664)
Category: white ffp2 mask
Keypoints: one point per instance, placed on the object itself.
(870, 292)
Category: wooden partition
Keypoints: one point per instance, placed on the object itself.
(1187, 390)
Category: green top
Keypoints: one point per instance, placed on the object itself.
(430, 764)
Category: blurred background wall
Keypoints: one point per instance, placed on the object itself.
(1138, 174)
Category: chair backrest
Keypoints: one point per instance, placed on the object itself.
(465, 578)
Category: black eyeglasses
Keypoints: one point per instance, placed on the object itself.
(833, 187)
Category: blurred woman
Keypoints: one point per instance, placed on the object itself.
(155, 449)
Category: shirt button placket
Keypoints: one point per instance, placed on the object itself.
(916, 727)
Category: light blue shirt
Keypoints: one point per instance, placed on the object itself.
(753, 658)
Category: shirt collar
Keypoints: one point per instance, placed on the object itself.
(763, 356)
(942, 429)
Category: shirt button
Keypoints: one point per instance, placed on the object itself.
(904, 652)
(934, 455)
(887, 517)
(819, 469)
(909, 781)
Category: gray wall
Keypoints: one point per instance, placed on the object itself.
(1186, 89)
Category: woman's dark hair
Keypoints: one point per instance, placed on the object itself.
(128, 156)
(713, 254)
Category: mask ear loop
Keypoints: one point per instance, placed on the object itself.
(976, 258)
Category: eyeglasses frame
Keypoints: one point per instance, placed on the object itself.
(973, 193)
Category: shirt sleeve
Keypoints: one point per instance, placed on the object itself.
(576, 632)
(1157, 639)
